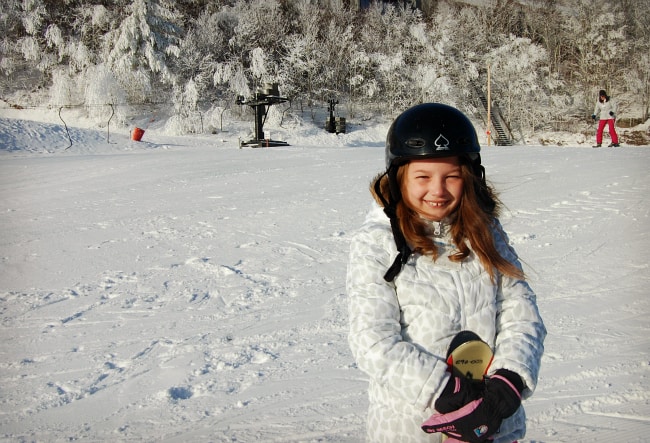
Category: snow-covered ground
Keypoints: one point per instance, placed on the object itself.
(182, 289)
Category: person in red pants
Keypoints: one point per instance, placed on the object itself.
(606, 109)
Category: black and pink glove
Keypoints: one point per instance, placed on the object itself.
(480, 419)
(459, 391)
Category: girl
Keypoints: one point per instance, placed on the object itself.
(430, 261)
(606, 108)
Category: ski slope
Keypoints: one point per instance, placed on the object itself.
(182, 289)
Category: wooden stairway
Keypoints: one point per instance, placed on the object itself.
(501, 134)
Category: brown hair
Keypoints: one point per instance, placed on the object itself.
(475, 215)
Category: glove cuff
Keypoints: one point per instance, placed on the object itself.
(503, 392)
(514, 380)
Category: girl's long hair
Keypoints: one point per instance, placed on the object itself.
(471, 223)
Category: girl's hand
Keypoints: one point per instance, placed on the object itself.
(479, 419)
(459, 391)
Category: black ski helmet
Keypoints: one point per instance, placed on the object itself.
(430, 130)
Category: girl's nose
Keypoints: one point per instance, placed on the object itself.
(437, 187)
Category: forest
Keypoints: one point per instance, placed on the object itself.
(546, 59)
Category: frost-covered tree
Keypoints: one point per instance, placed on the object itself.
(303, 64)
(444, 72)
(359, 79)
(187, 117)
(378, 59)
(105, 99)
(467, 40)
(204, 48)
(598, 45)
(12, 62)
(637, 80)
(388, 42)
(89, 24)
(505, 17)
(64, 90)
(32, 44)
(231, 76)
(346, 63)
(139, 50)
(543, 23)
(260, 31)
(518, 72)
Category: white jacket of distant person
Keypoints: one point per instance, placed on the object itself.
(400, 330)
(603, 108)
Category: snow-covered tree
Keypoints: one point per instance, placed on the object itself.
(360, 78)
(10, 23)
(638, 82)
(231, 76)
(599, 47)
(32, 44)
(518, 71)
(387, 40)
(187, 117)
(204, 48)
(547, 54)
(303, 65)
(260, 31)
(637, 78)
(90, 22)
(103, 96)
(543, 25)
(138, 51)
(441, 67)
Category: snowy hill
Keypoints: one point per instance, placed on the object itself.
(183, 289)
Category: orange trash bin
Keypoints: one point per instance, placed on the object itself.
(137, 134)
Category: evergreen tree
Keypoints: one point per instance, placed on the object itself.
(139, 50)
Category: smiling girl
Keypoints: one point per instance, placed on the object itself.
(432, 260)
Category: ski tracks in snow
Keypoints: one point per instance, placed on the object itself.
(197, 294)
(188, 298)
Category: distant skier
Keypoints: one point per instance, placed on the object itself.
(606, 108)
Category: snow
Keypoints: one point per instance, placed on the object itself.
(183, 289)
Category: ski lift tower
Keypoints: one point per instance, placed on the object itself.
(261, 101)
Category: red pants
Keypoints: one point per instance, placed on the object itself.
(612, 131)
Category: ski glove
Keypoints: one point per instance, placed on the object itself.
(479, 419)
(611, 113)
(459, 391)
(593, 116)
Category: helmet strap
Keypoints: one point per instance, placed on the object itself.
(479, 170)
(390, 209)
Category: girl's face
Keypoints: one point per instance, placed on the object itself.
(433, 187)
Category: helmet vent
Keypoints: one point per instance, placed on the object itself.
(415, 143)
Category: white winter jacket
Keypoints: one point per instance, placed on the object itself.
(400, 331)
(603, 109)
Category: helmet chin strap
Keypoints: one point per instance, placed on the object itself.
(478, 168)
(390, 209)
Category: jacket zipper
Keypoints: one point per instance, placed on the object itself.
(461, 300)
